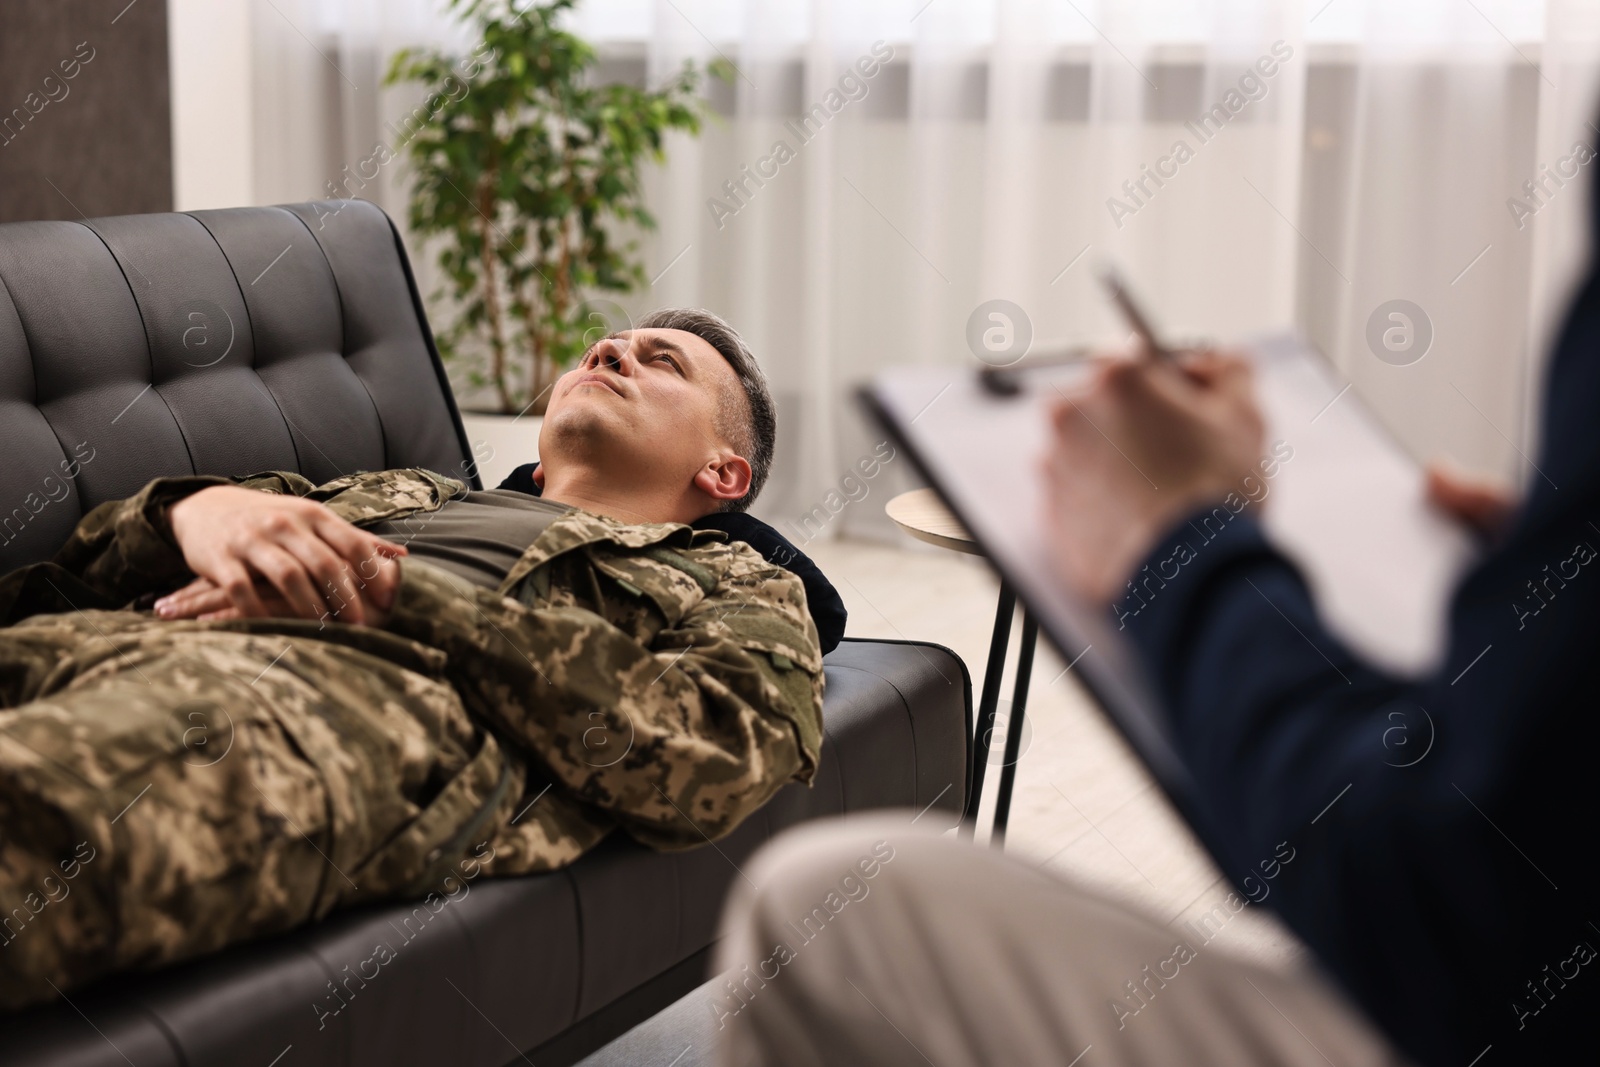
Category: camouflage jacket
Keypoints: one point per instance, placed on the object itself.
(659, 678)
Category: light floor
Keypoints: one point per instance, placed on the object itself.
(1084, 807)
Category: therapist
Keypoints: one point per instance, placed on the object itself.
(1450, 900)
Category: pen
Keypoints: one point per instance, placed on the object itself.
(1136, 319)
(1003, 381)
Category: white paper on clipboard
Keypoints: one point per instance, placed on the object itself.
(1350, 509)
(1347, 506)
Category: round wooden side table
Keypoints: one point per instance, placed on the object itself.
(923, 515)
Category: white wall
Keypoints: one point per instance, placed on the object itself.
(213, 135)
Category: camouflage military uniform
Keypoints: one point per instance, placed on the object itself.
(167, 788)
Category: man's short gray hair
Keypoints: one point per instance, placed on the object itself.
(753, 431)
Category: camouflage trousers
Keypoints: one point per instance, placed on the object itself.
(167, 789)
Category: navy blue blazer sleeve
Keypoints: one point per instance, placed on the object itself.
(1443, 828)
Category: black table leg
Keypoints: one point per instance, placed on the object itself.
(1019, 707)
(987, 704)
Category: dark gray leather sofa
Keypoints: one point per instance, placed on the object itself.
(292, 338)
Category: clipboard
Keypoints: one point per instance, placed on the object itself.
(1348, 507)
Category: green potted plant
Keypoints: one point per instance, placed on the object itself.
(526, 175)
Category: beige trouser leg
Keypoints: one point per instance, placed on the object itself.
(871, 941)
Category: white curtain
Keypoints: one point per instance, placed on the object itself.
(1252, 165)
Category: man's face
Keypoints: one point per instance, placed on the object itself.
(642, 404)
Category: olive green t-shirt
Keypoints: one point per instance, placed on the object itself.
(479, 537)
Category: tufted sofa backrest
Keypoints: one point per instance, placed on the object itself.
(211, 342)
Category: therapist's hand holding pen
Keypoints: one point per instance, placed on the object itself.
(1142, 443)
(1152, 436)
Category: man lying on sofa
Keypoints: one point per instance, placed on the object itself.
(350, 690)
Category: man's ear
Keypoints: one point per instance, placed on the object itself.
(538, 477)
(725, 478)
